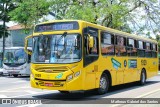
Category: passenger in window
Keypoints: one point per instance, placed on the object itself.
(120, 48)
(107, 49)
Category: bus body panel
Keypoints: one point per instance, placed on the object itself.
(123, 69)
(20, 70)
(11, 67)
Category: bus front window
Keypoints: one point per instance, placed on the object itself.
(65, 48)
(14, 56)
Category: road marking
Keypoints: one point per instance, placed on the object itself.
(46, 92)
(31, 92)
(28, 91)
(143, 95)
(19, 81)
(4, 83)
(3, 96)
(15, 88)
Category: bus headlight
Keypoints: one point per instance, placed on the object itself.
(77, 74)
(70, 77)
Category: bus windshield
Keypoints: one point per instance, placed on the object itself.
(15, 56)
(62, 48)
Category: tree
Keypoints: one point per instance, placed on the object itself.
(29, 12)
(5, 7)
(136, 16)
(2, 30)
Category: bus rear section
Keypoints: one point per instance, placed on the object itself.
(16, 62)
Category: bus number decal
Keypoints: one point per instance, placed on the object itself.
(115, 63)
(37, 75)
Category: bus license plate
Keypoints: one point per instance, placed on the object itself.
(48, 84)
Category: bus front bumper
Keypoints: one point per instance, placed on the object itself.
(72, 85)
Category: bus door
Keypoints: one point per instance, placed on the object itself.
(90, 57)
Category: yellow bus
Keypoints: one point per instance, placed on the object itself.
(72, 55)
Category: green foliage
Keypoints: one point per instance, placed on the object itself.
(2, 30)
(105, 12)
(126, 15)
(5, 7)
(29, 12)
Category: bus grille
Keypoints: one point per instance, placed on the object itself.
(52, 69)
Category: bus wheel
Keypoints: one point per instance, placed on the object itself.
(142, 78)
(15, 75)
(103, 84)
(63, 92)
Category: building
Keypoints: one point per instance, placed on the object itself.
(16, 37)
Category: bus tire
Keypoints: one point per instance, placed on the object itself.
(63, 92)
(15, 75)
(142, 78)
(103, 84)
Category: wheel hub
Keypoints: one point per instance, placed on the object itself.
(103, 83)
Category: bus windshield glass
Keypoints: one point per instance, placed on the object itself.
(62, 48)
(15, 56)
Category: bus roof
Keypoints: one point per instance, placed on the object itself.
(110, 30)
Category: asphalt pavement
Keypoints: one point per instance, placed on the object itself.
(11, 87)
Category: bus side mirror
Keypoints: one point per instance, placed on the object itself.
(26, 45)
(91, 41)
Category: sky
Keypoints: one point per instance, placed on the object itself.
(9, 24)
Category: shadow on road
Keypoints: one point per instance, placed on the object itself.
(27, 78)
(90, 96)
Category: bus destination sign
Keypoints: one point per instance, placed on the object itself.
(57, 26)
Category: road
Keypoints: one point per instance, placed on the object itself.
(11, 87)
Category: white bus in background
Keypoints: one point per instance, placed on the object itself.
(16, 62)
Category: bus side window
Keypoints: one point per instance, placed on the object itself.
(148, 52)
(107, 43)
(141, 49)
(120, 47)
(131, 48)
(154, 53)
